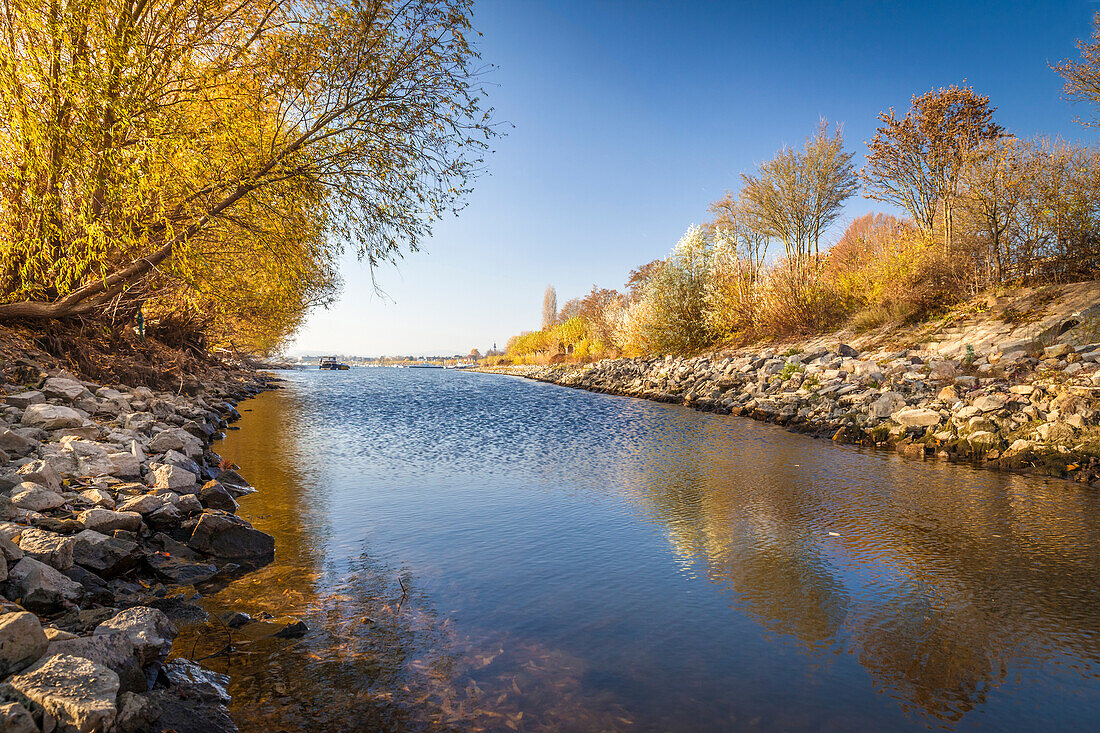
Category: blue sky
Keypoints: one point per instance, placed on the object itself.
(624, 119)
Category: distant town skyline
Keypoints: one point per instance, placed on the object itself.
(624, 120)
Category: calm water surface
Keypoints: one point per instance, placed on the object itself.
(482, 552)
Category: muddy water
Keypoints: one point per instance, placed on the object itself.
(479, 552)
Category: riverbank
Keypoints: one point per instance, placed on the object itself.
(1029, 412)
(113, 508)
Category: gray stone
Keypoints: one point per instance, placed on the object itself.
(14, 443)
(78, 692)
(35, 498)
(176, 439)
(148, 628)
(143, 504)
(180, 572)
(69, 390)
(139, 713)
(48, 547)
(14, 718)
(51, 417)
(991, 402)
(106, 520)
(185, 673)
(104, 555)
(1056, 351)
(41, 472)
(99, 497)
(886, 405)
(116, 652)
(215, 496)
(41, 586)
(23, 400)
(916, 417)
(174, 478)
(139, 421)
(22, 641)
(228, 536)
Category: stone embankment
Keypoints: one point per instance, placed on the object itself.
(112, 508)
(1032, 412)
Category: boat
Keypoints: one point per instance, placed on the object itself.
(425, 366)
(332, 363)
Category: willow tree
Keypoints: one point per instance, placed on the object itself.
(151, 139)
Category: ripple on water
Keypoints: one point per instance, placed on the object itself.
(481, 552)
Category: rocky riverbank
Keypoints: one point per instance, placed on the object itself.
(1033, 412)
(113, 508)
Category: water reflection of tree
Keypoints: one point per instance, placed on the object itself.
(938, 578)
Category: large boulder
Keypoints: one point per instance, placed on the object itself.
(228, 536)
(48, 547)
(176, 439)
(104, 555)
(148, 628)
(22, 641)
(51, 417)
(107, 520)
(42, 587)
(114, 651)
(144, 504)
(35, 498)
(78, 692)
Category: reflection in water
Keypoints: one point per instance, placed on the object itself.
(475, 552)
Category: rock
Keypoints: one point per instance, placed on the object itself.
(51, 417)
(35, 498)
(948, 395)
(180, 572)
(167, 516)
(228, 536)
(22, 642)
(78, 692)
(99, 497)
(189, 504)
(990, 402)
(846, 350)
(48, 547)
(143, 504)
(1056, 351)
(984, 439)
(215, 496)
(149, 629)
(104, 555)
(916, 417)
(106, 520)
(886, 405)
(174, 478)
(124, 464)
(139, 421)
(14, 443)
(54, 634)
(41, 586)
(41, 472)
(9, 551)
(138, 713)
(114, 651)
(176, 439)
(23, 400)
(14, 718)
(292, 629)
(185, 673)
(69, 390)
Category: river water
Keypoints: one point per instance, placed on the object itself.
(481, 552)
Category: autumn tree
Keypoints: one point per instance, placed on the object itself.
(549, 307)
(798, 194)
(732, 217)
(639, 278)
(1082, 78)
(917, 161)
(140, 142)
(598, 309)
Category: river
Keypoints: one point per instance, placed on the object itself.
(481, 552)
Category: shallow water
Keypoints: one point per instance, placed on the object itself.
(477, 551)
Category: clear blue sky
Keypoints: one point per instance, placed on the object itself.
(630, 116)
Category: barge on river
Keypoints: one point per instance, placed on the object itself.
(331, 362)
